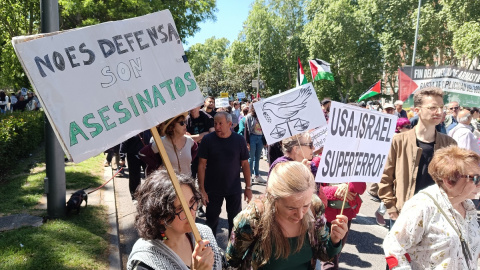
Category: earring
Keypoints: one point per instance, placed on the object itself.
(163, 236)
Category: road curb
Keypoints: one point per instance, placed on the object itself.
(109, 201)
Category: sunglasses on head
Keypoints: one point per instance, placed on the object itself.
(475, 178)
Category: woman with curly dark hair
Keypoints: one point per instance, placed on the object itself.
(166, 239)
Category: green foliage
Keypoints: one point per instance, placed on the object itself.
(466, 40)
(201, 55)
(20, 134)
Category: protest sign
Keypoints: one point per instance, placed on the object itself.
(221, 102)
(224, 95)
(319, 135)
(459, 84)
(289, 113)
(240, 95)
(102, 84)
(357, 145)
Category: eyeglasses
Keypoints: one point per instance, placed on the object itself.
(181, 214)
(308, 144)
(454, 108)
(182, 123)
(433, 108)
(475, 178)
(407, 126)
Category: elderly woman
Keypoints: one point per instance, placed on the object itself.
(300, 148)
(438, 228)
(286, 228)
(166, 239)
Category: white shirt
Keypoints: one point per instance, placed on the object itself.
(464, 137)
(184, 154)
(422, 231)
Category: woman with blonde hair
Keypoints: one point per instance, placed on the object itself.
(300, 148)
(285, 229)
(438, 228)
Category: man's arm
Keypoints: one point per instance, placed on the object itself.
(386, 190)
(248, 180)
(197, 137)
(202, 165)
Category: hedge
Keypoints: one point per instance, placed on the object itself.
(20, 134)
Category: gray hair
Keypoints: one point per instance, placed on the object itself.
(227, 116)
(465, 118)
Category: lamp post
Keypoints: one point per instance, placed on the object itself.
(258, 73)
(416, 34)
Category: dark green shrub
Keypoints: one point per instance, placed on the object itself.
(20, 134)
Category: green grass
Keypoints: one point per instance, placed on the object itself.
(22, 191)
(77, 242)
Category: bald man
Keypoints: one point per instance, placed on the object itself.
(462, 132)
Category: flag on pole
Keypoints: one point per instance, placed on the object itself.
(372, 91)
(301, 79)
(320, 70)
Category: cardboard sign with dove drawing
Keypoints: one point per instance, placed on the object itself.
(289, 113)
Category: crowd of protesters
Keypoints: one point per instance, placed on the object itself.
(23, 100)
(431, 175)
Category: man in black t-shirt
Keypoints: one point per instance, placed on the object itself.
(221, 155)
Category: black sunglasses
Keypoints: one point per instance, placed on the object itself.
(182, 123)
(407, 126)
(308, 144)
(475, 178)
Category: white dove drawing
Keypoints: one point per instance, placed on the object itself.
(288, 109)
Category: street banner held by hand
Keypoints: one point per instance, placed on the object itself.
(102, 84)
(357, 144)
(289, 113)
(319, 135)
(221, 102)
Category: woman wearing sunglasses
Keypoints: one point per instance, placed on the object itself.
(438, 228)
(181, 149)
(166, 239)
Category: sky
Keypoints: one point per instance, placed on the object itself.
(230, 17)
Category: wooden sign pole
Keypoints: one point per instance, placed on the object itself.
(176, 185)
(344, 199)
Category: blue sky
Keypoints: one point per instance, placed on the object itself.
(230, 17)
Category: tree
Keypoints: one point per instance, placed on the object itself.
(276, 27)
(342, 35)
(200, 55)
(16, 18)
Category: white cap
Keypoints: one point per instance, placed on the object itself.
(388, 105)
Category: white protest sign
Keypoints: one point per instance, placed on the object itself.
(221, 102)
(240, 95)
(289, 113)
(102, 84)
(319, 135)
(357, 145)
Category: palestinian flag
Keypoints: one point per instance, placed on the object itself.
(320, 70)
(301, 79)
(372, 91)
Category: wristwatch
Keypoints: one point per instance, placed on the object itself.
(249, 187)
